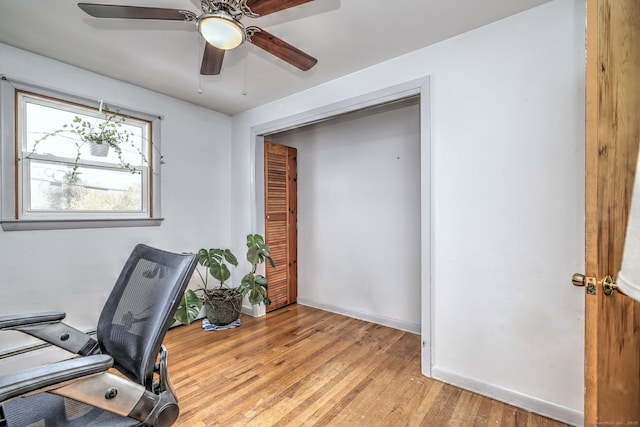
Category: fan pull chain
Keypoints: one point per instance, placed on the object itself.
(244, 79)
(202, 46)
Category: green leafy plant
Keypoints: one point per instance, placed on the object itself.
(106, 132)
(216, 263)
(252, 284)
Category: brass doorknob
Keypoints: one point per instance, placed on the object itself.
(589, 283)
(578, 279)
(608, 284)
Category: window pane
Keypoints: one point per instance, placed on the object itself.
(54, 187)
(42, 119)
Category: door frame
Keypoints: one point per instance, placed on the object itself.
(385, 95)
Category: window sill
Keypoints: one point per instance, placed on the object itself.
(65, 224)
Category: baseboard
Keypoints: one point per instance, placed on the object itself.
(542, 407)
(369, 317)
(249, 310)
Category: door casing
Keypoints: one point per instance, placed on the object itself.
(420, 87)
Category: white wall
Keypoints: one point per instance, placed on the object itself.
(359, 214)
(507, 195)
(74, 270)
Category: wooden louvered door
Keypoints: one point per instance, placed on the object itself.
(281, 223)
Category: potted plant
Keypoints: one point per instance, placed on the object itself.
(99, 135)
(223, 304)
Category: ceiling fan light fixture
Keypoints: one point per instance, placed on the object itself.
(221, 30)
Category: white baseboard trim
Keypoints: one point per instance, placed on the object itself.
(249, 310)
(542, 407)
(369, 317)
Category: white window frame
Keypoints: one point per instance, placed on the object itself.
(14, 173)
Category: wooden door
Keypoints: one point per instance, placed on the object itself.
(280, 169)
(612, 341)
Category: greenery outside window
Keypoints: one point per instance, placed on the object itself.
(78, 166)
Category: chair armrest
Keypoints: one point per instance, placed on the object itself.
(88, 380)
(13, 321)
(44, 377)
(48, 326)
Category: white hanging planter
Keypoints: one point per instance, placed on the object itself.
(98, 150)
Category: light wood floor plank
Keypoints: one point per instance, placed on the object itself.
(300, 366)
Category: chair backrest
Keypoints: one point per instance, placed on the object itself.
(140, 309)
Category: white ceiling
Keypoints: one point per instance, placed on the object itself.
(164, 56)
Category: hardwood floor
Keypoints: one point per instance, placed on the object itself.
(300, 366)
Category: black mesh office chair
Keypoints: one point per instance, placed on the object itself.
(132, 325)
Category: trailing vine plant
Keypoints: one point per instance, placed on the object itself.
(107, 131)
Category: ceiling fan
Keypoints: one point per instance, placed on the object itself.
(219, 24)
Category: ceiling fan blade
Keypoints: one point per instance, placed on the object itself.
(265, 7)
(211, 60)
(283, 50)
(131, 12)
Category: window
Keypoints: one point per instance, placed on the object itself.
(76, 166)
